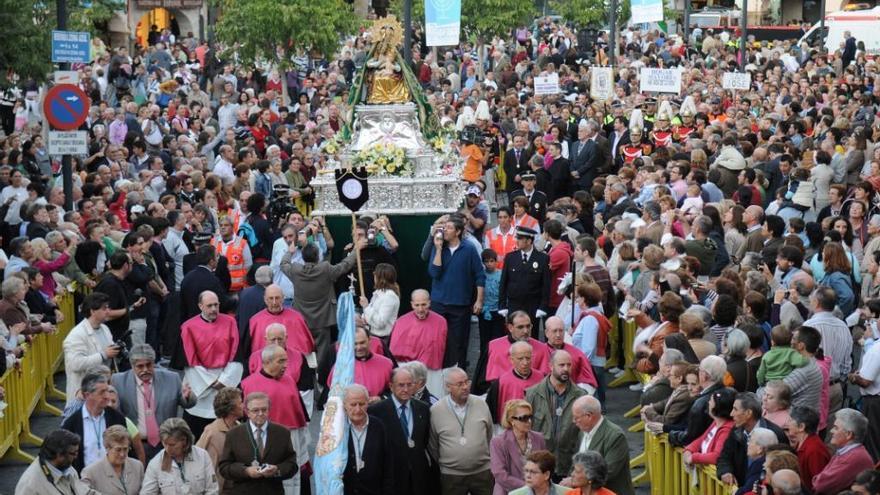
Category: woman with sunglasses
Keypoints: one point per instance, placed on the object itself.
(509, 450)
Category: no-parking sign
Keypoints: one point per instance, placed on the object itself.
(66, 107)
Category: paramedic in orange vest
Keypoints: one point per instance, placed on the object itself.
(501, 239)
(236, 251)
(591, 333)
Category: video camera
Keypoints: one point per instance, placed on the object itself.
(280, 204)
(472, 135)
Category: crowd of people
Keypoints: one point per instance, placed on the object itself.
(738, 231)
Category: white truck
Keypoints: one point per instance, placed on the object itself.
(864, 25)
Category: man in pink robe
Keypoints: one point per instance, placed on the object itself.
(513, 384)
(287, 408)
(420, 335)
(210, 341)
(370, 369)
(581, 371)
(520, 327)
(299, 337)
(297, 367)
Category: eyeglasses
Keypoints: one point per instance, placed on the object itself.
(525, 418)
(532, 471)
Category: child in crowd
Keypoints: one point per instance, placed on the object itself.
(491, 323)
(781, 360)
(692, 206)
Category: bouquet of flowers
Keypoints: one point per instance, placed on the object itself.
(384, 159)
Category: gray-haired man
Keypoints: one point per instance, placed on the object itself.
(149, 395)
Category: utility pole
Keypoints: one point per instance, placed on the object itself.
(407, 31)
(612, 34)
(745, 33)
(687, 21)
(822, 18)
(66, 164)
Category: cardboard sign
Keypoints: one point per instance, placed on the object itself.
(601, 83)
(547, 85)
(660, 80)
(736, 80)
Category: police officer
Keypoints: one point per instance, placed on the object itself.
(537, 199)
(525, 279)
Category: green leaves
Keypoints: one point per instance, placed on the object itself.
(488, 18)
(27, 45)
(257, 28)
(584, 13)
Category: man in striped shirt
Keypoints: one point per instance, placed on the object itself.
(836, 342)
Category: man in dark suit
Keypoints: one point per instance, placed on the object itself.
(560, 174)
(258, 455)
(617, 201)
(617, 139)
(537, 200)
(407, 425)
(190, 261)
(250, 302)
(600, 435)
(161, 390)
(92, 417)
(584, 156)
(849, 49)
(516, 163)
(370, 466)
(525, 279)
(202, 278)
(733, 461)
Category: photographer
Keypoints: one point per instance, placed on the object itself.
(120, 299)
(89, 344)
(372, 255)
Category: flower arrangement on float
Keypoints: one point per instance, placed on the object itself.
(384, 159)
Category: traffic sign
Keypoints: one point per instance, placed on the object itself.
(71, 46)
(68, 143)
(66, 107)
(66, 77)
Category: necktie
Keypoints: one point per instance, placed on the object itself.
(403, 421)
(260, 447)
(525, 258)
(150, 415)
(517, 156)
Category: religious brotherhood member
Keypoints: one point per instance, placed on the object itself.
(370, 369)
(370, 464)
(519, 326)
(287, 409)
(420, 335)
(525, 278)
(297, 365)
(299, 338)
(513, 384)
(581, 371)
(210, 341)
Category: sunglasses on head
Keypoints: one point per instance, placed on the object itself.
(525, 418)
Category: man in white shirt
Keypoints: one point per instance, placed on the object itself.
(223, 167)
(175, 246)
(93, 419)
(837, 342)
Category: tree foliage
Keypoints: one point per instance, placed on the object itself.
(27, 44)
(256, 28)
(488, 18)
(583, 13)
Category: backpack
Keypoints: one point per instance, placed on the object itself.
(246, 231)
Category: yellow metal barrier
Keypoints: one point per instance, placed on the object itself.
(628, 334)
(665, 471)
(30, 384)
(613, 338)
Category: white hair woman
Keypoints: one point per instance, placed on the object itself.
(180, 467)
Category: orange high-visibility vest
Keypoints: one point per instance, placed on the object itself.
(234, 253)
(501, 243)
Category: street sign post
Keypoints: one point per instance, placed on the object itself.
(66, 77)
(70, 46)
(66, 107)
(68, 143)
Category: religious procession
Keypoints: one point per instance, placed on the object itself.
(446, 247)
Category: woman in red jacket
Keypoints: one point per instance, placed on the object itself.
(706, 448)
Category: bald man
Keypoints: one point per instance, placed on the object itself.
(601, 435)
(786, 482)
(420, 335)
(513, 384)
(210, 342)
(297, 367)
(299, 338)
(753, 217)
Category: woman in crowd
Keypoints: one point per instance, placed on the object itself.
(693, 328)
(538, 470)
(707, 447)
(649, 346)
(521, 217)
(43, 261)
(509, 450)
(776, 402)
(741, 374)
(228, 407)
(756, 450)
(589, 472)
(839, 276)
(180, 467)
(673, 410)
(117, 473)
(380, 312)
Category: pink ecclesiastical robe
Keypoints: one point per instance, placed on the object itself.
(499, 357)
(299, 338)
(376, 346)
(581, 369)
(373, 373)
(209, 344)
(210, 349)
(286, 406)
(419, 340)
(294, 364)
(512, 386)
